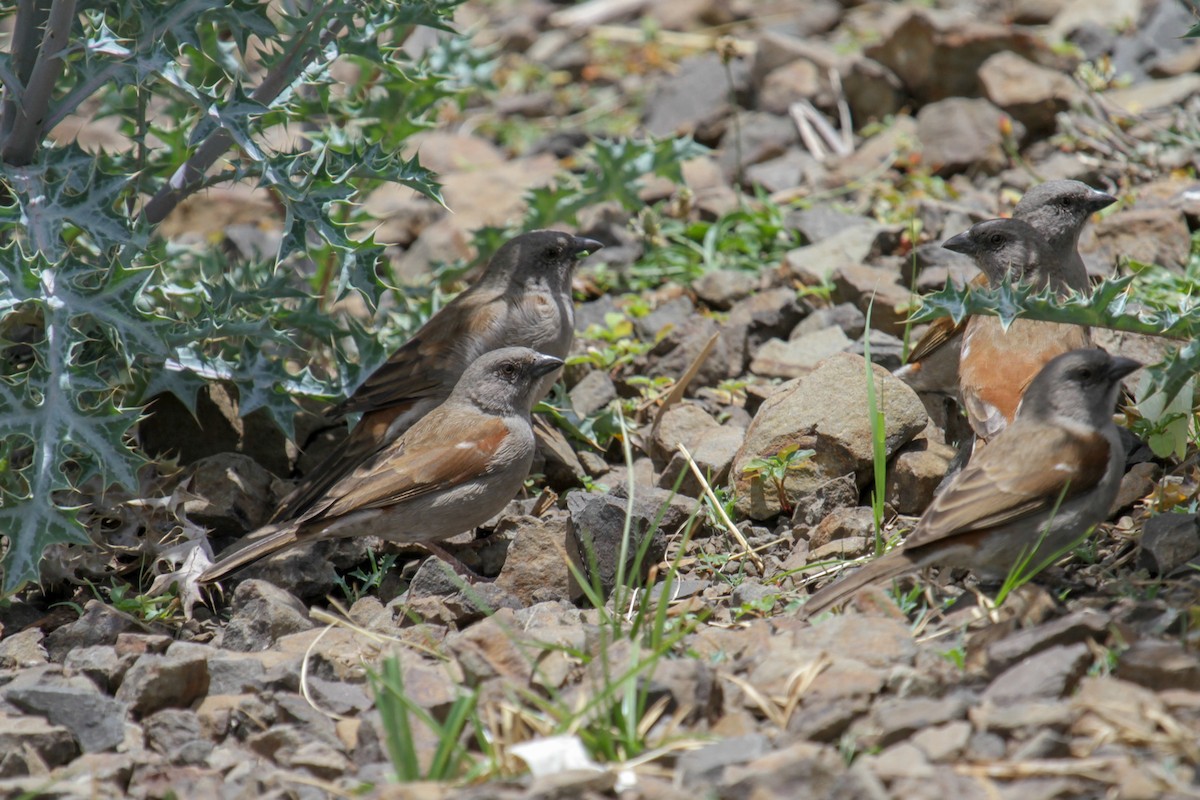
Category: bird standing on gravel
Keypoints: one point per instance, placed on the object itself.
(1039, 486)
(523, 299)
(454, 469)
(996, 365)
(1058, 210)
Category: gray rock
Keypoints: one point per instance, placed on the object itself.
(872, 91)
(97, 722)
(664, 318)
(794, 168)
(176, 733)
(798, 356)
(943, 742)
(156, 681)
(816, 263)
(101, 664)
(99, 625)
(681, 346)
(843, 523)
(823, 499)
(262, 613)
(1168, 542)
(692, 686)
(876, 289)
(683, 423)
(1071, 629)
(825, 411)
(1031, 94)
(1048, 675)
(937, 54)
(1144, 98)
(751, 592)
(695, 100)
(703, 767)
(1152, 235)
(535, 568)
(23, 649)
(721, 288)
(234, 674)
(597, 526)
(229, 493)
(1160, 666)
(896, 719)
(914, 474)
(713, 454)
(960, 134)
(823, 222)
(769, 314)
(52, 744)
(778, 774)
(846, 316)
(759, 137)
(594, 391)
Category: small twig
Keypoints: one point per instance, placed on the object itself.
(726, 522)
(595, 12)
(845, 121)
(304, 677)
(812, 142)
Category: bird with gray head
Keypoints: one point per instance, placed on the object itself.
(1032, 492)
(454, 469)
(996, 365)
(1058, 211)
(523, 299)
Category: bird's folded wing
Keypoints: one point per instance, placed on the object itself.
(429, 362)
(1011, 479)
(402, 473)
(937, 335)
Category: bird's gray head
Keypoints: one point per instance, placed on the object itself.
(1005, 248)
(1060, 209)
(1080, 385)
(504, 381)
(545, 258)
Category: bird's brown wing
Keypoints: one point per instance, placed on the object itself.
(941, 331)
(1009, 480)
(410, 469)
(431, 361)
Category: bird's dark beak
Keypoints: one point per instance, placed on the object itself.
(582, 246)
(960, 244)
(1098, 200)
(545, 365)
(1120, 366)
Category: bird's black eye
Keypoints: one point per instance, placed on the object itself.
(996, 238)
(508, 370)
(1086, 374)
(552, 251)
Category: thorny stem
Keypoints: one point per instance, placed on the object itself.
(25, 116)
(189, 177)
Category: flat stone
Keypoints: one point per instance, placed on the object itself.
(1076, 627)
(876, 289)
(944, 742)
(791, 359)
(959, 134)
(816, 263)
(23, 649)
(97, 722)
(915, 473)
(262, 613)
(1047, 675)
(1168, 542)
(163, 681)
(53, 744)
(1155, 95)
(1030, 93)
(703, 767)
(1159, 665)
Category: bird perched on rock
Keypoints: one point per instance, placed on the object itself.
(996, 365)
(1040, 485)
(523, 299)
(454, 469)
(1058, 210)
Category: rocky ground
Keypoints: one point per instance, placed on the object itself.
(1084, 684)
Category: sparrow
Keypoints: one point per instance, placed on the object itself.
(1038, 487)
(454, 469)
(996, 366)
(1057, 210)
(523, 299)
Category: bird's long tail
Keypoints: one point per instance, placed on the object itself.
(892, 565)
(268, 542)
